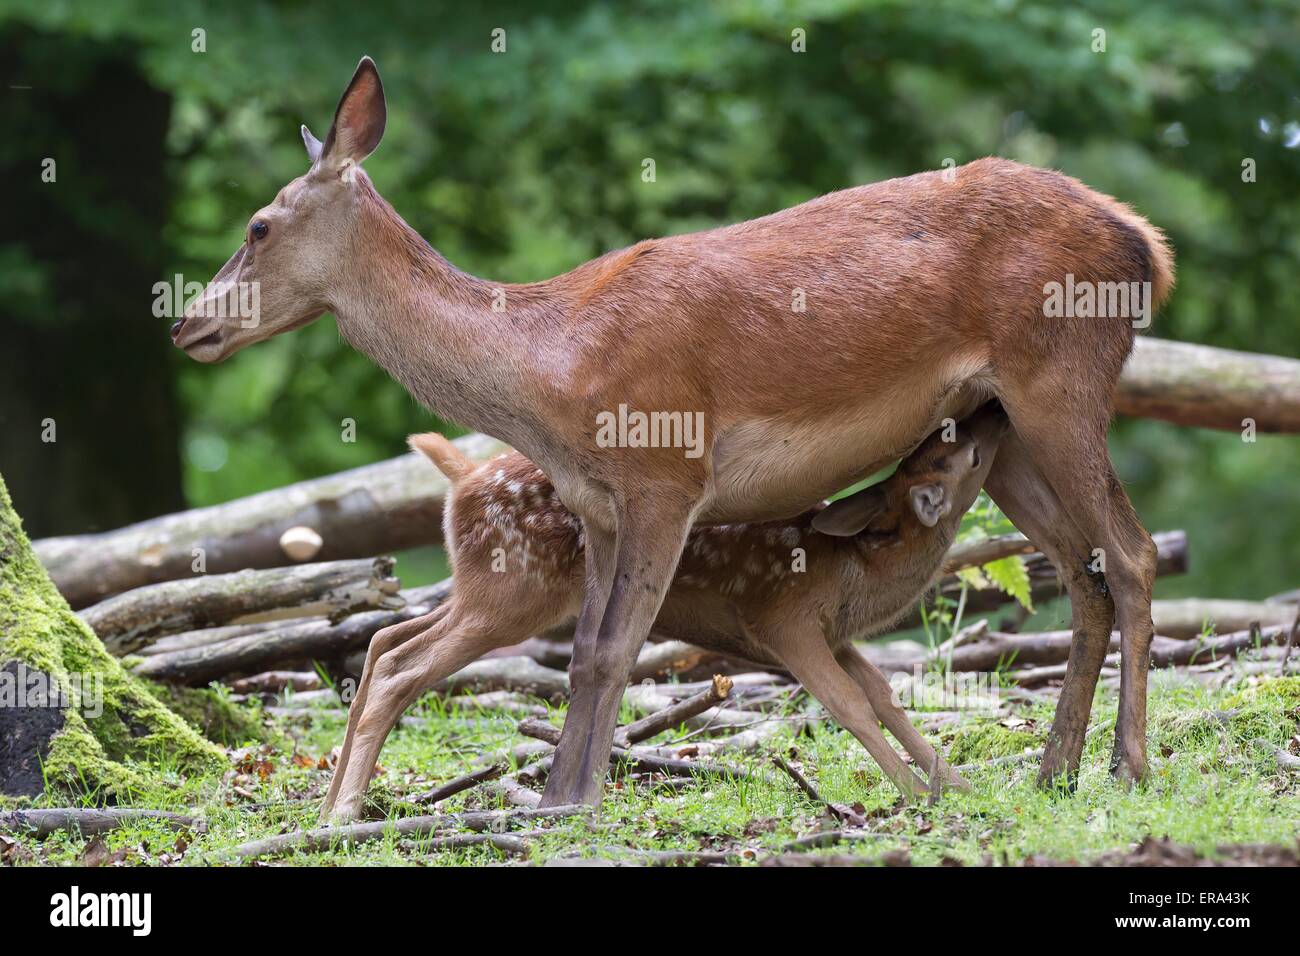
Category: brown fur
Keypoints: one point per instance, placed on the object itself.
(924, 296)
(777, 593)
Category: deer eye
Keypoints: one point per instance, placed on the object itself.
(260, 229)
(975, 457)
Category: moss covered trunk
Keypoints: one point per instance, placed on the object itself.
(71, 718)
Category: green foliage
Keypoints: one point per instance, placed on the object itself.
(984, 520)
(1008, 575)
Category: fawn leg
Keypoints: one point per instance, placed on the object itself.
(804, 653)
(381, 643)
(881, 697)
(650, 537)
(399, 677)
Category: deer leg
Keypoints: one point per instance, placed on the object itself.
(1131, 573)
(1072, 455)
(649, 543)
(381, 643)
(804, 653)
(881, 697)
(398, 678)
(601, 561)
(1025, 496)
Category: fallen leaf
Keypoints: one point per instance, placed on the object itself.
(96, 853)
(11, 851)
(854, 816)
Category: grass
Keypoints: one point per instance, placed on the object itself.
(1210, 786)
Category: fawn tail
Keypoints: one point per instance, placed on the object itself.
(445, 456)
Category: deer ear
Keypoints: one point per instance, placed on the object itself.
(847, 516)
(359, 120)
(930, 502)
(312, 143)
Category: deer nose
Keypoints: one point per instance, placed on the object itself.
(176, 328)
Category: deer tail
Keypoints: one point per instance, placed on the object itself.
(446, 457)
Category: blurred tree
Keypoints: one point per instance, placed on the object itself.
(89, 427)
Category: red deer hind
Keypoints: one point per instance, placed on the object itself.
(922, 298)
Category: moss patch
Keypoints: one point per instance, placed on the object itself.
(219, 718)
(112, 722)
(988, 741)
(1269, 709)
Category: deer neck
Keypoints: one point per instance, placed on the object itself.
(457, 343)
(901, 566)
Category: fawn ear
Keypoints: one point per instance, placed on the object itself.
(359, 120)
(848, 516)
(930, 502)
(313, 145)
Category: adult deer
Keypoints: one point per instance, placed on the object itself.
(818, 344)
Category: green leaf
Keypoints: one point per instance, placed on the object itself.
(1011, 577)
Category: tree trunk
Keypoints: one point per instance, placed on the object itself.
(70, 716)
(82, 355)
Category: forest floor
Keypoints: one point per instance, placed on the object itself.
(1215, 794)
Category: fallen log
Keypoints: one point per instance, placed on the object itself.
(657, 661)
(87, 822)
(673, 716)
(636, 758)
(275, 682)
(507, 673)
(322, 838)
(204, 637)
(1208, 387)
(136, 618)
(998, 650)
(512, 702)
(313, 639)
(396, 504)
(388, 506)
(546, 652)
(514, 844)
(1178, 653)
(971, 554)
(460, 784)
(1186, 618)
(1171, 548)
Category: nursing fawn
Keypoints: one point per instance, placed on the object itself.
(814, 346)
(778, 593)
